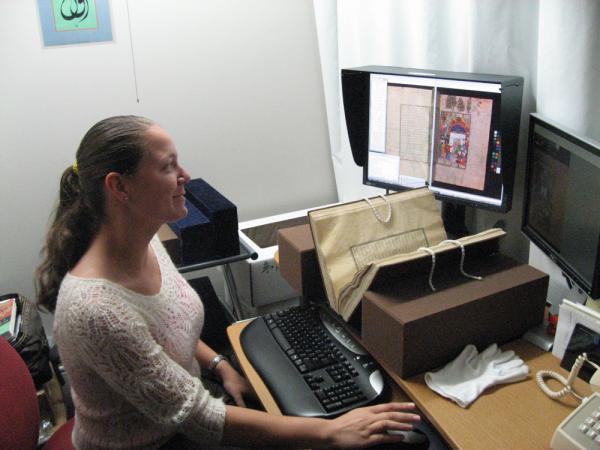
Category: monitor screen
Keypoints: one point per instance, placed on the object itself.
(561, 208)
(441, 133)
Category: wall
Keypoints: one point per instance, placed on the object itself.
(236, 83)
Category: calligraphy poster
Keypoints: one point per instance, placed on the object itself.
(74, 21)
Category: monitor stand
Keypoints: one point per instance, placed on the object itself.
(454, 220)
(539, 337)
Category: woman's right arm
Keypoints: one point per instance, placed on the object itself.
(362, 427)
(112, 339)
(101, 331)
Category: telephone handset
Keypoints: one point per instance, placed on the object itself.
(581, 429)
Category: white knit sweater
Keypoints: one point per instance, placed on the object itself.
(130, 360)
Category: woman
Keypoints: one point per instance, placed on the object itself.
(127, 324)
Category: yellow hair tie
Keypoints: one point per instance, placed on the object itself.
(75, 168)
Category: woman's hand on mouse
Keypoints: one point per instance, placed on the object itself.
(364, 427)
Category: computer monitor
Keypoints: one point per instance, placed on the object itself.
(561, 211)
(456, 133)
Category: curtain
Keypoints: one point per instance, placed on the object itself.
(568, 75)
(552, 44)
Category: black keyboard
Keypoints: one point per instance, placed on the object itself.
(310, 364)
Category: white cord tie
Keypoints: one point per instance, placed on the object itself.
(377, 216)
(432, 253)
(462, 258)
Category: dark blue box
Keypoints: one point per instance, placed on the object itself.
(196, 235)
(220, 211)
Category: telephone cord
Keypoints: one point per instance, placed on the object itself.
(567, 382)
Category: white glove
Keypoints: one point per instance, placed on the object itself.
(465, 378)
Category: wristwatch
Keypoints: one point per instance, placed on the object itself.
(216, 360)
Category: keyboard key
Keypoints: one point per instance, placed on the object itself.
(350, 400)
(333, 406)
(281, 340)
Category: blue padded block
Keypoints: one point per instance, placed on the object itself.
(220, 211)
(196, 234)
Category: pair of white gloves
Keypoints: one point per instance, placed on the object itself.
(471, 373)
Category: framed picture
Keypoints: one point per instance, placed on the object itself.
(67, 22)
(583, 340)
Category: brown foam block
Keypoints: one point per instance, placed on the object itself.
(298, 262)
(413, 329)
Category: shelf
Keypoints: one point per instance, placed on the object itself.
(245, 253)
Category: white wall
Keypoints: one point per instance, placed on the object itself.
(237, 83)
(569, 64)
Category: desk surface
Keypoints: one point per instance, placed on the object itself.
(512, 416)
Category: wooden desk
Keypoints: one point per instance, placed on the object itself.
(511, 416)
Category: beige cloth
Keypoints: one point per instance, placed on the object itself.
(351, 237)
(353, 242)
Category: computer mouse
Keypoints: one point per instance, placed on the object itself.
(413, 439)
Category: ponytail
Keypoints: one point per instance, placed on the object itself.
(116, 144)
(69, 237)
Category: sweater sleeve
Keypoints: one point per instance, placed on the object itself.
(114, 340)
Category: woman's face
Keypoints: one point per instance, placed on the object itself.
(156, 191)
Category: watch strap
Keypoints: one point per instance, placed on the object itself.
(215, 361)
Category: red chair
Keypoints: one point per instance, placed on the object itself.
(19, 408)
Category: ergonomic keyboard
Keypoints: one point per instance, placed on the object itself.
(310, 364)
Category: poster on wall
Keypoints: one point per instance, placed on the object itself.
(74, 21)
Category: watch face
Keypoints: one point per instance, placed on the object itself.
(583, 340)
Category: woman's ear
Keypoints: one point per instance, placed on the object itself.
(116, 187)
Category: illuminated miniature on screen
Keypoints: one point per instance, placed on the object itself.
(462, 140)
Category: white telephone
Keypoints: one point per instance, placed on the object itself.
(581, 429)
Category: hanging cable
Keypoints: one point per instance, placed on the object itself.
(135, 82)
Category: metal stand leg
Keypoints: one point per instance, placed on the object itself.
(233, 294)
